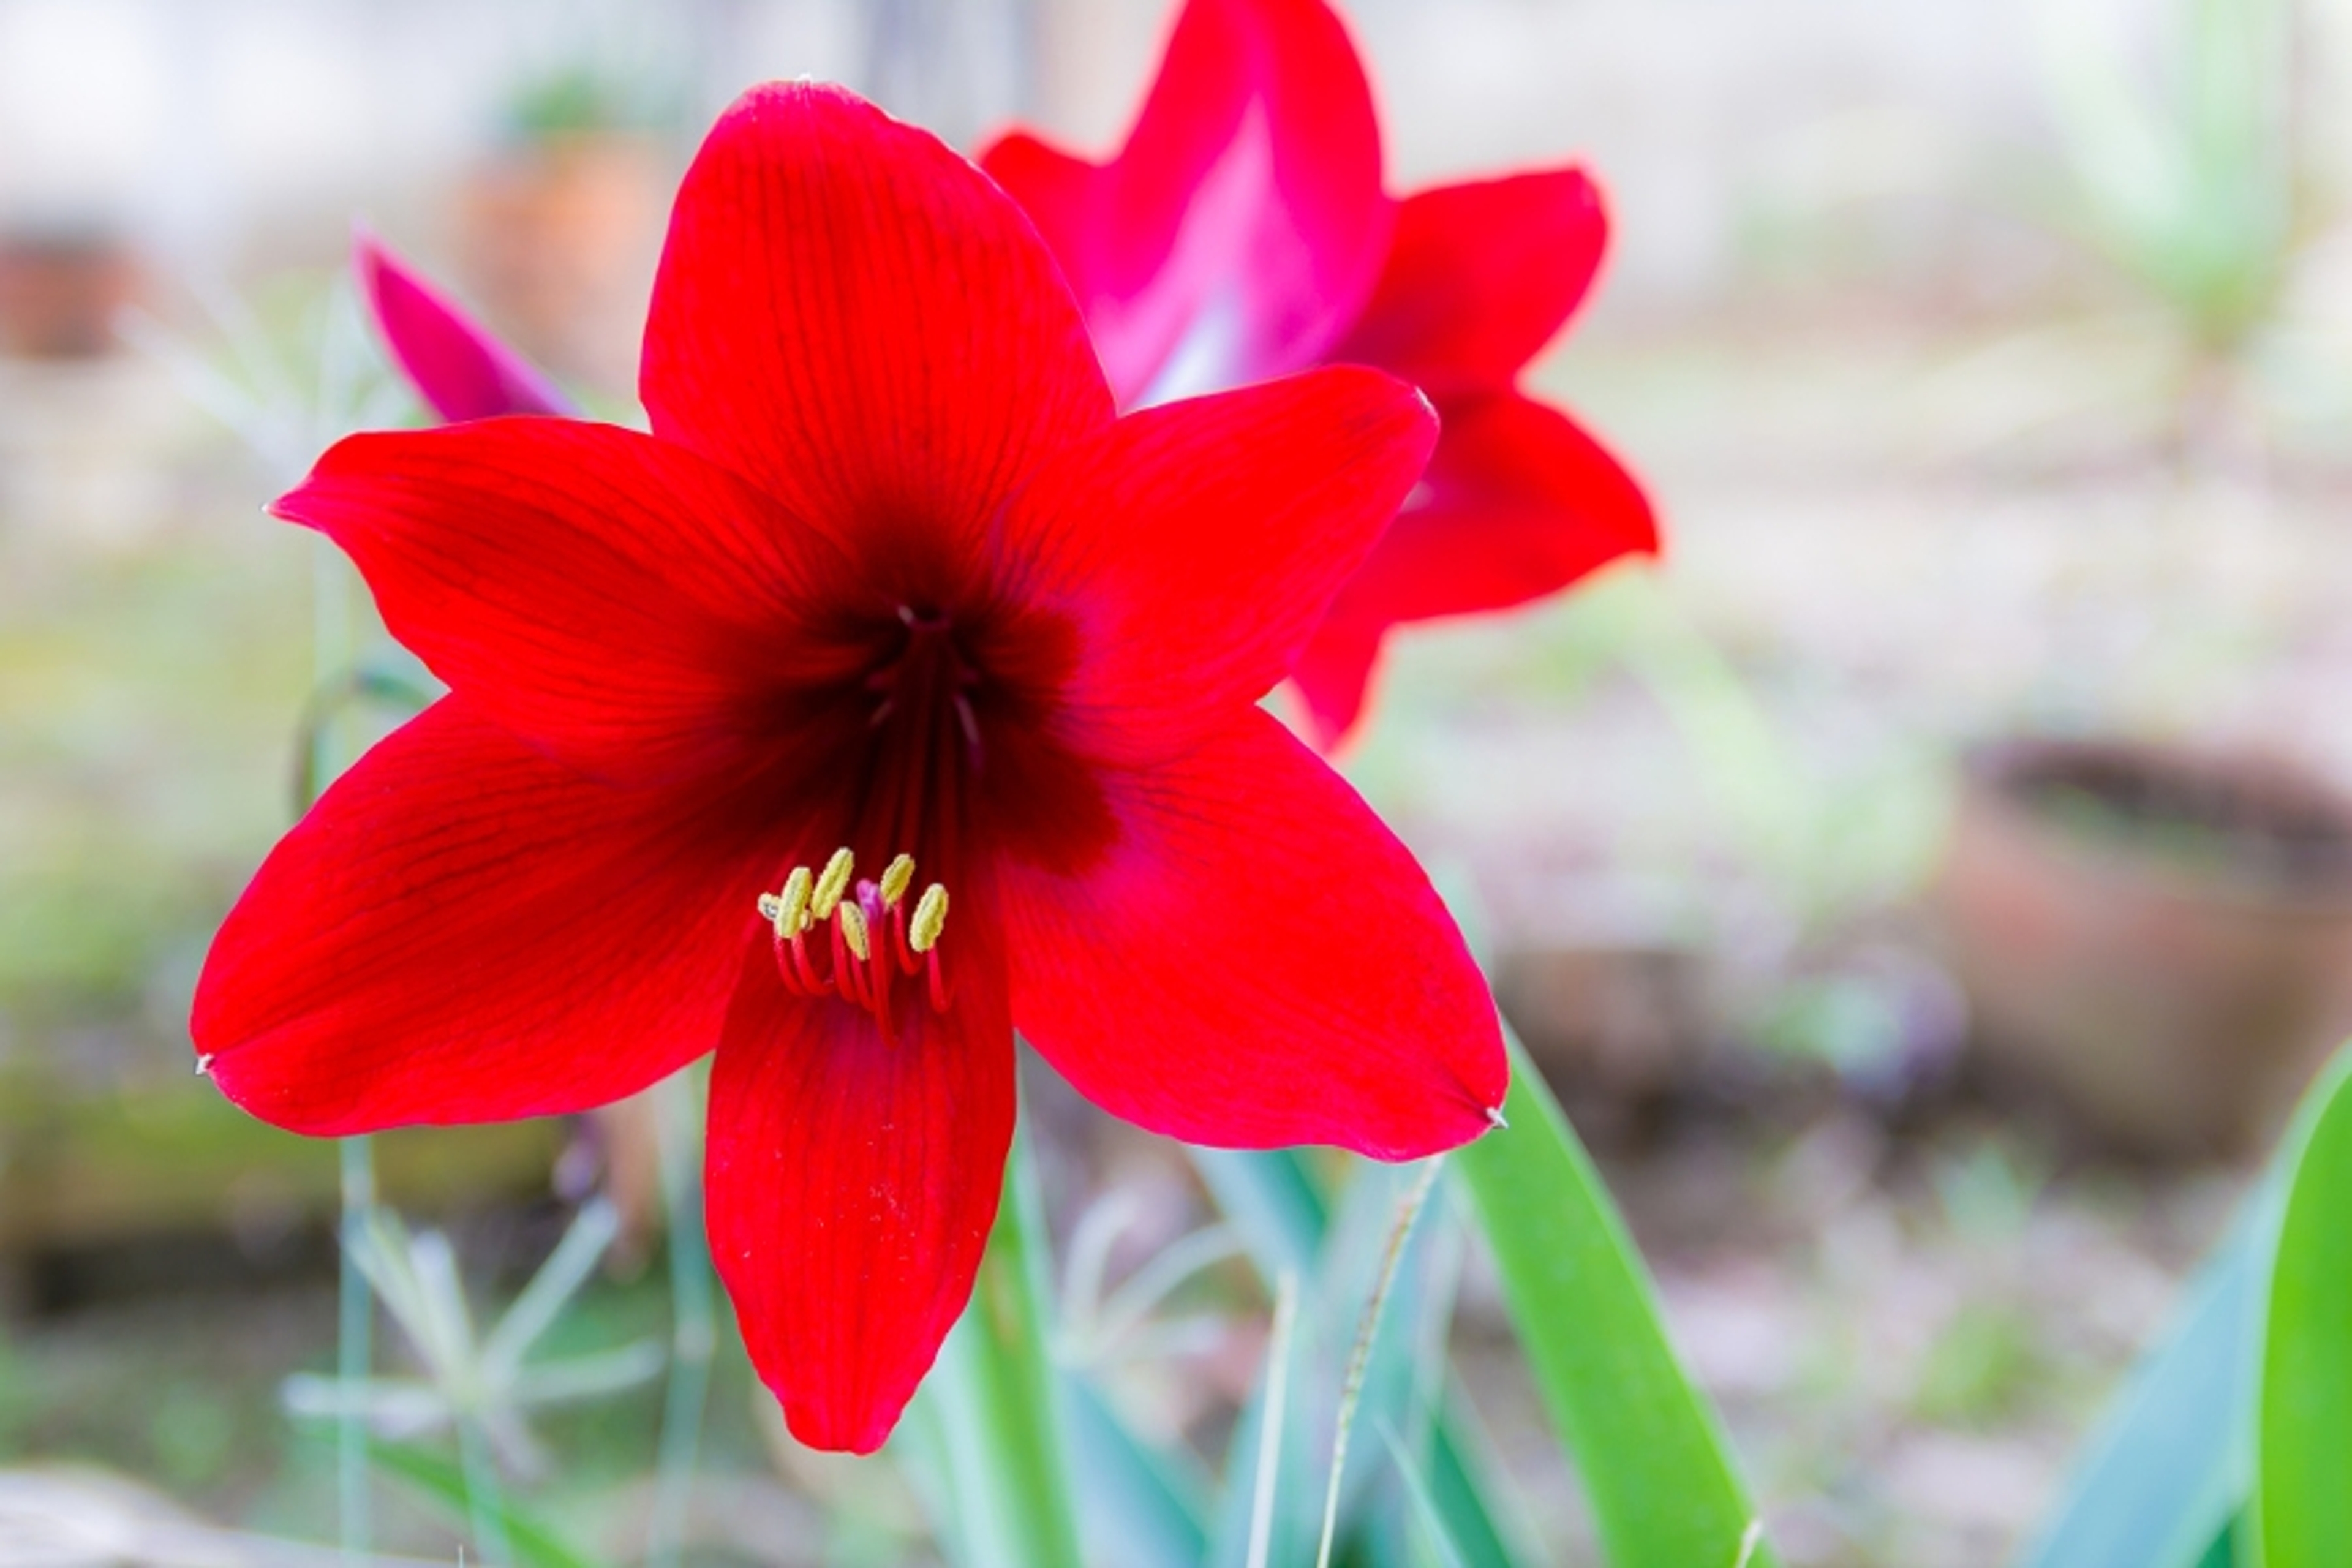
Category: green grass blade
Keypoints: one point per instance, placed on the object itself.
(1654, 1460)
(2170, 1470)
(2303, 1495)
(1274, 1200)
(993, 1394)
(441, 1482)
(1263, 1513)
(1265, 1486)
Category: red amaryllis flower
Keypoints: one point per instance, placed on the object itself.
(890, 695)
(1243, 232)
(459, 368)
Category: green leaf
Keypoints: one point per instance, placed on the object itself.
(2303, 1498)
(1143, 1509)
(1426, 1514)
(2170, 1468)
(1655, 1463)
(1006, 1499)
(1462, 1460)
(441, 1481)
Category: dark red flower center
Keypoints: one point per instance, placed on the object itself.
(927, 679)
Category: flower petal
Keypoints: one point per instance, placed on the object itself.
(1519, 504)
(850, 316)
(852, 1183)
(1239, 230)
(1333, 676)
(1256, 961)
(453, 361)
(463, 931)
(1479, 278)
(621, 601)
(1236, 517)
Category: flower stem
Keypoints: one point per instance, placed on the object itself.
(1351, 1389)
(1272, 1415)
(355, 1357)
(694, 1319)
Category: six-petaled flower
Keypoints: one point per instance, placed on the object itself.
(891, 694)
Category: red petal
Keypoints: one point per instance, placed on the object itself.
(1257, 962)
(1479, 278)
(1333, 675)
(852, 1183)
(850, 315)
(1518, 504)
(1239, 230)
(462, 930)
(453, 361)
(1235, 517)
(615, 598)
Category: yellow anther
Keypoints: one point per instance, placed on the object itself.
(831, 883)
(788, 911)
(852, 932)
(895, 881)
(930, 919)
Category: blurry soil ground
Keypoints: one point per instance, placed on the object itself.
(1910, 1304)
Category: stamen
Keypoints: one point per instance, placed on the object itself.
(874, 938)
(831, 884)
(788, 911)
(908, 960)
(796, 970)
(930, 919)
(844, 973)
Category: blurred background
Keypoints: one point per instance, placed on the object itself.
(1927, 888)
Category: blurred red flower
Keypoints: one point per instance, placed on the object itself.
(1243, 232)
(457, 366)
(887, 582)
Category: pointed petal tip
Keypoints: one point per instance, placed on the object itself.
(805, 269)
(1466, 1116)
(367, 254)
(835, 1431)
(453, 361)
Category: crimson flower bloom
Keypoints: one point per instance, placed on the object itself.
(890, 695)
(1243, 232)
